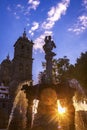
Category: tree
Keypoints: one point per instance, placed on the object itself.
(42, 77)
(61, 69)
(81, 69)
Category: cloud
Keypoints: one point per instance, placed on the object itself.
(19, 6)
(17, 17)
(81, 23)
(23, 11)
(33, 4)
(80, 26)
(84, 3)
(55, 14)
(83, 20)
(48, 33)
(17, 10)
(34, 28)
(8, 8)
(39, 42)
(28, 24)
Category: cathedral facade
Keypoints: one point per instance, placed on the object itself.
(13, 72)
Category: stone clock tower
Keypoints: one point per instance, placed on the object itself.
(22, 61)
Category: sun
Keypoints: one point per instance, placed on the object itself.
(61, 110)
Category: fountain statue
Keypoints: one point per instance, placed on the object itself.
(47, 117)
(43, 101)
(48, 47)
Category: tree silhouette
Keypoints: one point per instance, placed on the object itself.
(81, 69)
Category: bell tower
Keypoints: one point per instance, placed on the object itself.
(22, 61)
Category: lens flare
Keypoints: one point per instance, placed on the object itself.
(61, 110)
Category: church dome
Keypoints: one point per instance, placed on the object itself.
(6, 61)
(23, 39)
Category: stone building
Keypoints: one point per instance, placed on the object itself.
(4, 101)
(15, 71)
(22, 61)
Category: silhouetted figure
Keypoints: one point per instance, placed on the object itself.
(48, 47)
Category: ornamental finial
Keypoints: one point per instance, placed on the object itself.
(24, 33)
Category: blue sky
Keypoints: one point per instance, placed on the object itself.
(65, 20)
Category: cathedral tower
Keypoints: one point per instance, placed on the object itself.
(22, 61)
(5, 71)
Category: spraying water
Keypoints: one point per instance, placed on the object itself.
(20, 104)
(34, 110)
(80, 104)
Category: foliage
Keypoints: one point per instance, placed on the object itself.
(62, 69)
(42, 77)
(81, 69)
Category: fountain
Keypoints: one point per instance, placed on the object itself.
(17, 118)
(59, 110)
(47, 106)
